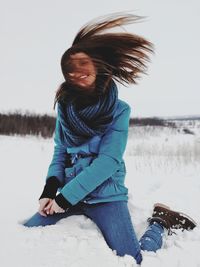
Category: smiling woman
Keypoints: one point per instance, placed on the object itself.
(81, 70)
(91, 134)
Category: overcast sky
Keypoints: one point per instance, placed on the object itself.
(35, 34)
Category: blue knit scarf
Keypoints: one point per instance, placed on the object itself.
(78, 126)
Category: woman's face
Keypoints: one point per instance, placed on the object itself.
(83, 71)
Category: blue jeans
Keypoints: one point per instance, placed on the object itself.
(114, 221)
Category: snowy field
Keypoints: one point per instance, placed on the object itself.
(163, 165)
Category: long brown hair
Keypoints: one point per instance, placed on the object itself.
(120, 56)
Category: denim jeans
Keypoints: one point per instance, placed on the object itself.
(114, 221)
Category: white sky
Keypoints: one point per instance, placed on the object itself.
(35, 34)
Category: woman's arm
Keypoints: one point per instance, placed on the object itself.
(55, 175)
(57, 165)
(111, 151)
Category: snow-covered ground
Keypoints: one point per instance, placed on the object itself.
(163, 165)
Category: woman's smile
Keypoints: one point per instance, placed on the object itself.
(78, 77)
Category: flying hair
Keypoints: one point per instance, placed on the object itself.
(122, 56)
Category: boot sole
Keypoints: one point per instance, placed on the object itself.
(181, 213)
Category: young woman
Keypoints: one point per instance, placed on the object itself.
(91, 134)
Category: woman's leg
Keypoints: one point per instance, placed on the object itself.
(152, 238)
(114, 221)
(39, 220)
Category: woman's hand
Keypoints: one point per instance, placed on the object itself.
(43, 202)
(53, 207)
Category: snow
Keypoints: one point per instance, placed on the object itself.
(162, 166)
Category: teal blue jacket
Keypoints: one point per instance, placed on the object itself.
(99, 179)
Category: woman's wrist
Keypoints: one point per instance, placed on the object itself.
(62, 202)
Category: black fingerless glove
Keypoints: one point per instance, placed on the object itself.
(50, 190)
(62, 202)
(51, 187)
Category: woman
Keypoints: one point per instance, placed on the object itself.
(91, 134)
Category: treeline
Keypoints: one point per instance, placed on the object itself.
(40, 125)
(44, 125)
(151, 122)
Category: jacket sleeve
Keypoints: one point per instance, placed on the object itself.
(111, 151)
(57, 165)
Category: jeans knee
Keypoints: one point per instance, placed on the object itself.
(37, 220)
(28, 223)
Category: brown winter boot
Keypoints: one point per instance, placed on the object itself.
(171, 219)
